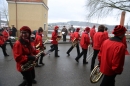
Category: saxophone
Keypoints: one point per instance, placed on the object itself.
(30, 64)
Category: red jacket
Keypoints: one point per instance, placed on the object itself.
(2, 40)
(21, 53)
(124, 41)
(5, 34)
(106, 34)
(111, 57)
(98, 40)
(38, 40)
(92, 32)
(54, 38)
(85, 41)
(76, 35)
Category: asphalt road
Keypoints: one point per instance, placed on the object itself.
(61, 71)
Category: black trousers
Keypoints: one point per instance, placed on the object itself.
(4, 49)
(94, 58)
(64, 37)
(84, 53)
(54, 47)
(108, 80)
(29, 76)
(71, 48)
(10, 43)
(40, 58)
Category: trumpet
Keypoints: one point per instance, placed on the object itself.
(95, 75)
(30, 64)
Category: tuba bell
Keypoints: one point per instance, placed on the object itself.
(59, 36)
(74, 42)
(95, 75)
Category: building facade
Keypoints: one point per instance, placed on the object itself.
(32, 13)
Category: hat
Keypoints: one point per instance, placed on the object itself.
(77, 30)
(56, 27)
(119, 30)
(87, 29)
(25, 28)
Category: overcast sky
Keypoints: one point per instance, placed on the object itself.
(72, 10)
(67, 10)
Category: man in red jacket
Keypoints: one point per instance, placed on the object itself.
(7, 35)
(84, 43)
(23, 52)
(2, 43)
(112, 56)
(38, 41)
(54, 42)
(98, 39)
(106, 33)
(75, 38)
(92, 32)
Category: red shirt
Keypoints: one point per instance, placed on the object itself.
(92, 32)
(98, 40)
(38, 40)
(54, 38)
(2, 40)
(106, 34)
(111, 57)
(85, 41)
(76, 35)
(5, 34)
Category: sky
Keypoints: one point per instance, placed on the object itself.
(72, 10)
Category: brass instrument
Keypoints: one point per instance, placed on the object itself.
(74, 42)
(37, 46)
(59, 36)
(95, 75)
(30, 64)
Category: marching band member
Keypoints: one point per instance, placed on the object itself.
(98, 39)
(6, 35)
(2, 43)
(38, 40)
(54, 42)
(112, 56)
(84, 43)
(106, 33)
(23, 52)
(92, 32)
(75, 38)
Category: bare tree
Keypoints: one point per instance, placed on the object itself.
(103, 8)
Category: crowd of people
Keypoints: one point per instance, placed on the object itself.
(110, 51)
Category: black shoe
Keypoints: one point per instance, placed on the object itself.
(41, 63)
(58, 50)
(24, 83)
(76, 59)
(85, 62)
(34, 82)
(68, 54)
(37, 65)
(6, 55)
(57, 56)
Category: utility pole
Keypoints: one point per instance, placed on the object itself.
(0, 19)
